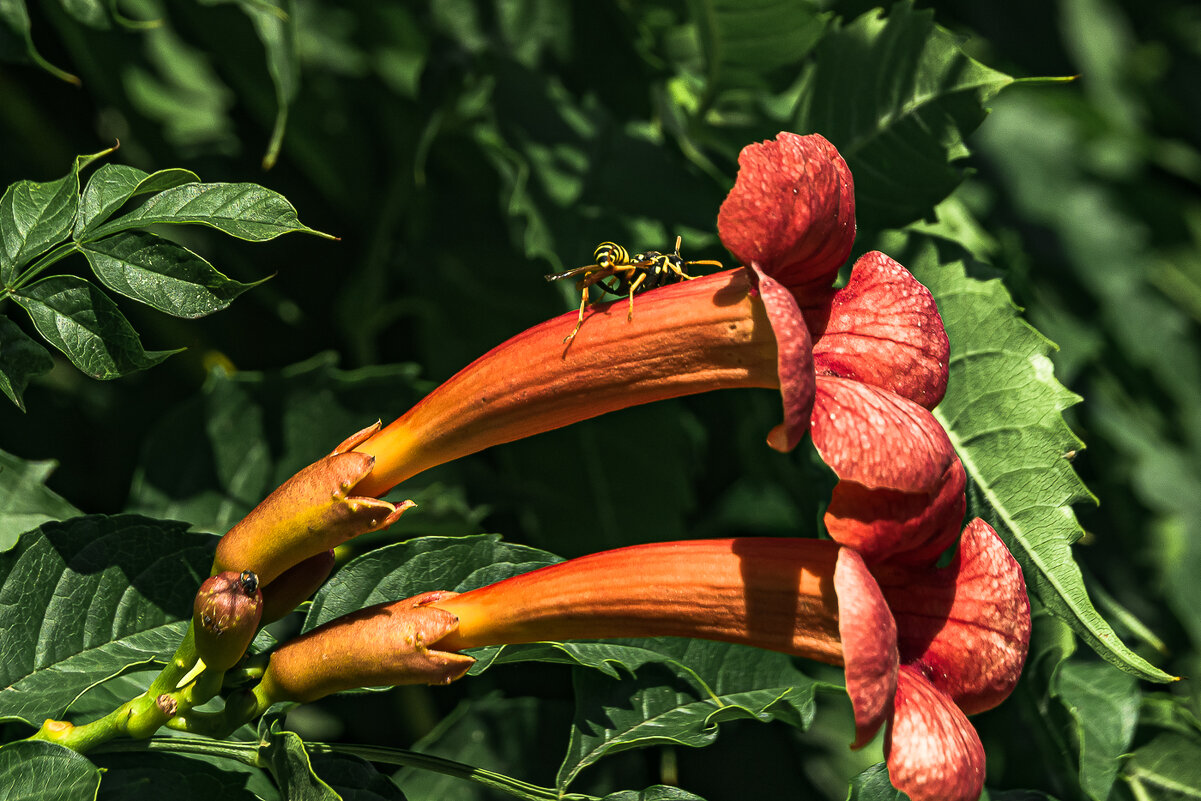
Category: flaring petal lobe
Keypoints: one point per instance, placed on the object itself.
(878, 439)
(933, 752)
(869, 644)
(884, 329)
(792, 210)
(794, 360)
(967, 625)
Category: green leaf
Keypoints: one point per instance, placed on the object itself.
(659, 792)
(38, 771)
(25, 500)
(21, 359)
(514, 735)
(80, 320)
(246, 433)
(15, 16)
(276, 28)
(284, 755)
(428, 563)
(1104, 702)
(605, 656)
(744, 41)
(873, 784)
(245, 211)
(112, 185)
(36, 216)
(720, 682)
(896, 95)
(355, 779)
(161, 274)
(1003, 411)
(1166, 769)
(152, 776)
(89, 12)
(95, 596)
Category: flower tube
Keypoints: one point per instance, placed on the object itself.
(922, 646)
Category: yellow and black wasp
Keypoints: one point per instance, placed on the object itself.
(629, 274)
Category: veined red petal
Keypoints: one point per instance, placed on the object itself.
(772, 593)
(794, 349)
(965, 626)
(904, 527)
(791, 211)
(869, 645)
(695, 336)
(933, 752)
(877, 438)
(884, 329)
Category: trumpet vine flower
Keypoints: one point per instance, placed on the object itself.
(790, 219)
(922, 646)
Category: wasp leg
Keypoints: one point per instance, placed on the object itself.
(580, 321)
(634, 288)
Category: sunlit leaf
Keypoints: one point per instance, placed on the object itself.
(112, 185)
(80, 320)
(428, 563)
(161, 274)
(1004, 412)
(98, 595)
(36, 216)
(246, 211)
(656, 707)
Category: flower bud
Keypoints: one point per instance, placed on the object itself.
(385, 644)
(308, 514)
(225, 616)
(295, 585)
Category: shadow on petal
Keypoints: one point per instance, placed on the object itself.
(902, 527)
(967, 625)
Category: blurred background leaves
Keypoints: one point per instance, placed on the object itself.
(461, 150)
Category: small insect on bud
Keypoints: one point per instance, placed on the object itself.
(225, 617)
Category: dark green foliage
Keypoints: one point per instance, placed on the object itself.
(461, 150)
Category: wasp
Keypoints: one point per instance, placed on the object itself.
(617, 273)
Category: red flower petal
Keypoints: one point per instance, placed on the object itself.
(869, 644)
(878, 439)
(933, 752)
(907, 527)
(967, 625)
(883, 329)
(791, 211)
(794, 360)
